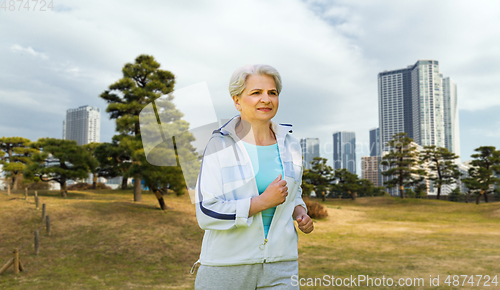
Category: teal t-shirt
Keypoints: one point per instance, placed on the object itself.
(266, 162)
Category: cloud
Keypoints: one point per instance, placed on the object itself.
(328, 53)
(29, 50)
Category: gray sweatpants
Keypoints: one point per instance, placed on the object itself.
(242, 277)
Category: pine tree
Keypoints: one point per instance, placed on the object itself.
(15, 155)
(142, 83)
(402, 163)
(141, 103)
(442, 167)
(348, 182)
(114, 160)
(320, 176)
(482, 177)
(60, 160)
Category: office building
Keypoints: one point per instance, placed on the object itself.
(412, 100)
(370, 169)
(82, 125)
(451, 127)
(344, 151)
(375, 142)
(310, 149)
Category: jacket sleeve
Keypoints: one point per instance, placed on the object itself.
(214, 211)
(298, 196)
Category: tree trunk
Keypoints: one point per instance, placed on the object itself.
(14, 183)
(64, 192)
(439, 192)
(94, 181)
(137, 188)
(124, 182)
(323, 195)
(478, 198)
(161, 201)
(354, 195)
(485, 196)
(402, 191)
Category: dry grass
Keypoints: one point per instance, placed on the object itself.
(100, 239)
(103, 240)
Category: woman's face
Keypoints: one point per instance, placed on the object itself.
(259, 100)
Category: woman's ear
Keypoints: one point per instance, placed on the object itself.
(236, 100)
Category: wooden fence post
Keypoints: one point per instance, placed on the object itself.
(6, 266)
(47, 225)
(16, 261)
(36, 201)
(37, 243)
(43, 212)
(8, 189)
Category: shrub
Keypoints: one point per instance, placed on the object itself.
(315, 210)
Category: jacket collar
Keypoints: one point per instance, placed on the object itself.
(281, 130)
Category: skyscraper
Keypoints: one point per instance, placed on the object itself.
(344, 151)
(82, 125)
(452, 137)
(310, 149)
(412, 100)
(375, 142)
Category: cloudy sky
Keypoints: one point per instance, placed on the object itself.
(328, 53)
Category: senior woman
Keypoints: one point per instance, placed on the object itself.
(248, 192)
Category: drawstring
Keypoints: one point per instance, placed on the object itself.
(194, 266)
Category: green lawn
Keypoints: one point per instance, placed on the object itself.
(103, 240)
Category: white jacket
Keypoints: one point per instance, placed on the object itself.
(225, 185)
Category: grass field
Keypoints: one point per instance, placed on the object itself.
(103, 240)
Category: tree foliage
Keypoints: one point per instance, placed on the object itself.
(442, 167)
(144, 83)
(320, 176)
(348, 182)
(482, 177)
(15, 155)
(60, 160)
(402, 163)
(114, 160)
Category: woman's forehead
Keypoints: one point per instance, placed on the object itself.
(260, 82)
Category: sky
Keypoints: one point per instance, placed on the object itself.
(327, 52)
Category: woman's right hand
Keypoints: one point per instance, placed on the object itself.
(276, 192)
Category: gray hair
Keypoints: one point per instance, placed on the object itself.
(237, 83)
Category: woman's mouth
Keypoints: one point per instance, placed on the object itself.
(264, 109)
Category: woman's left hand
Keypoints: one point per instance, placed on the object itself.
(305, 223)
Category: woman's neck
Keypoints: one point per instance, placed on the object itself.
(257, 133)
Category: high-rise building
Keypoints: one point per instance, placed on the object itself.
(82, 125)
(412, 100)
(375, 142)
(370, 169)
(310, 149)
(344, 151)
(451, 129)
